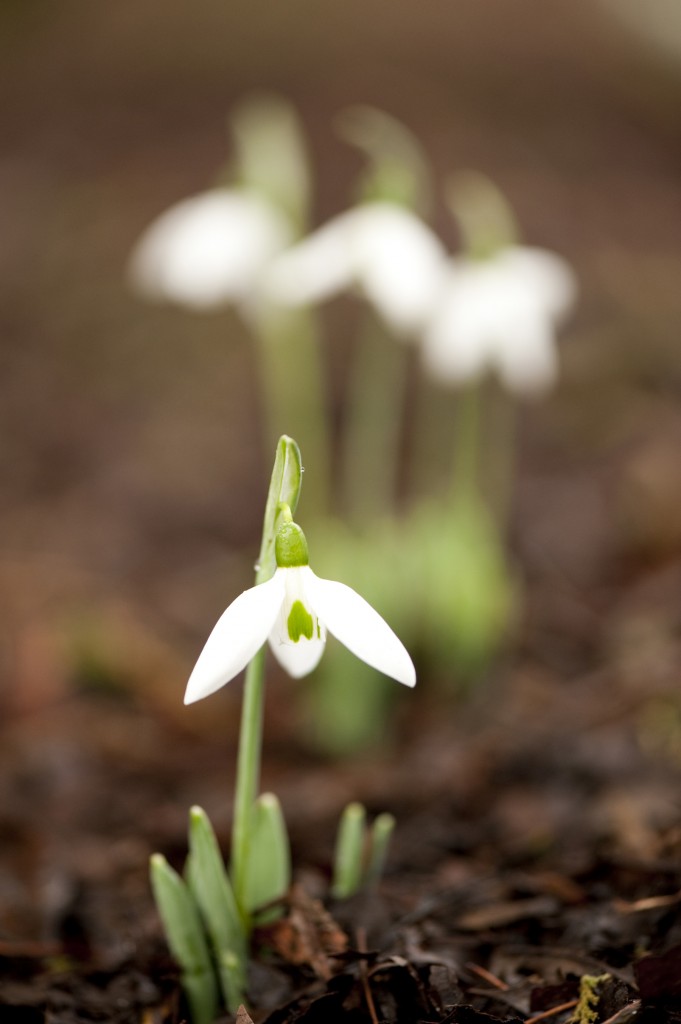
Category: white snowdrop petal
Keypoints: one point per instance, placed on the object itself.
(456, 345)
(298, 656)
(380, 248)
(298, 659)
(500, 314)
(316, 268)
(360, 628)
(532, 366)
(238, 634)
(208, 249)
(550, 278)
(399, 264)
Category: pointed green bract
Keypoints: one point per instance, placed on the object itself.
(268, 871)
(213, 893)
(186, 938)
(285, 485)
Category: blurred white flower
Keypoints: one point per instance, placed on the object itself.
(500, 314)
(293, 610)
(209, 250)
(381, 248)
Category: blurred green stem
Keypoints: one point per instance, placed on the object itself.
(503, 455)
(293, 392)
(434, 423)
(466, 478)
(371, 455)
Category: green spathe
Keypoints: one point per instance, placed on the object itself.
(291, 547)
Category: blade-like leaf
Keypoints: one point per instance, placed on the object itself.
(381, 832)
(212, 891)
(349, 855)
(186, 939)
(268, 871)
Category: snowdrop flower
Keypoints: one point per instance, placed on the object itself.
(380, 247)
(500, 313)
(293, 610)
(210, 249)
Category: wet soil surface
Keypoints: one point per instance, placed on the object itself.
(535, 871)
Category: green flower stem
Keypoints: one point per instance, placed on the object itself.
(293, 390)
(247, 775)
(371, 456)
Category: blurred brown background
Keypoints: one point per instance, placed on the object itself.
(132, 461)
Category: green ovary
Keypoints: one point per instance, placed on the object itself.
(299, 622)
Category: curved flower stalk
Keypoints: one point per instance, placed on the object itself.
(384, 251)
(213, 249)
(294, 610)
(398, 169)
(500, 313)
(381, 248)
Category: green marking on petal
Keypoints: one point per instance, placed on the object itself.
(299, 622)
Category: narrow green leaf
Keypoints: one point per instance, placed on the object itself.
(268, 871)
(212, 891)
(186, 939)
(349, 856)
(381, 833)
(285, 485)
